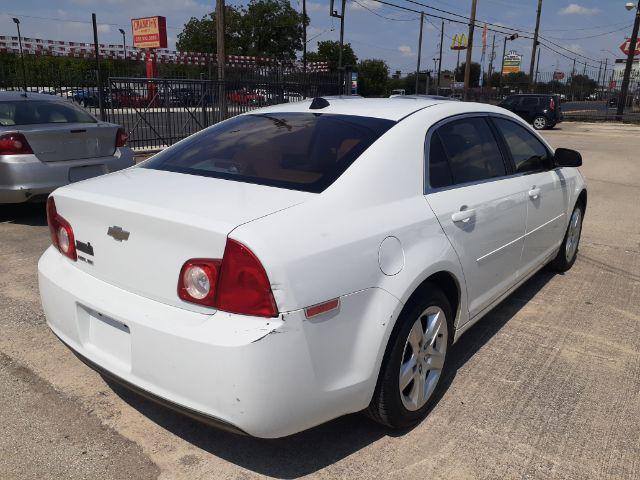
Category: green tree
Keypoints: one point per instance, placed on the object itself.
(373, 77)
(474, 79)
(581, 86)
(199, 35)
(272, 28)
(329, 51)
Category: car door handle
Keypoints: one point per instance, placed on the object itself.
(463, 215)
(534, 192)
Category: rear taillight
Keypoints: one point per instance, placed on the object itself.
(198, 281)
(121, 138)
(237, 284)
(552, 104)
(14, 144)
(61, 232)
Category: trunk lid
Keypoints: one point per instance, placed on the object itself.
(52, 142)
(169, 217)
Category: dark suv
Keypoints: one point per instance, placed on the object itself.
(541, 111)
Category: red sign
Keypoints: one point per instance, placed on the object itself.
(149, 32)
(625, 47)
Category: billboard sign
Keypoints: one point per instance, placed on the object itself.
(149, 32)
(512, 62)
(459, 42)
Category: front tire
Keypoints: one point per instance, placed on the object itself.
(540, 122)
(415, 360)
(569, 248)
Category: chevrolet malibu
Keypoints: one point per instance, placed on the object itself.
(47, 141)
(304, 261)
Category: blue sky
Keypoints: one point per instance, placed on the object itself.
(394, 38)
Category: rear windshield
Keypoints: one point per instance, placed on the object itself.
(299, 151)
(29, 112)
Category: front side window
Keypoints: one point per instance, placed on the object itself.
(472, 150)
(511, 102)
(30, 112)
(300, 151)
(528, 153)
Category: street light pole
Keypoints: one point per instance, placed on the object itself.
(419, 50)
(24, 75)
(304, 36)
(440, 56)
(627, 69)
(124, 43)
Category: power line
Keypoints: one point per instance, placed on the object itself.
(382, 16)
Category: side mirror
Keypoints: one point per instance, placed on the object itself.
(565, 157)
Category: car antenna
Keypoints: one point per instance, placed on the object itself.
(318, 103)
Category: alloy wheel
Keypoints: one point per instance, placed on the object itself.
(573, 235)
(423, 358)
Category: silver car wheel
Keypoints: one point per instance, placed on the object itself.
(423, 358)
(573, 235)
(539, 123)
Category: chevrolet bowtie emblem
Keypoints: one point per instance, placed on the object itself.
(118, 233)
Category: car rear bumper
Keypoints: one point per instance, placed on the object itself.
(25, 177)
(268, 377)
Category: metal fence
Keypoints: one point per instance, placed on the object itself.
(161, 111)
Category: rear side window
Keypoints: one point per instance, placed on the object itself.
(530, 101)
(30, 112)
(511, 101)
(528, 153)
(471, 150)
(300, 151)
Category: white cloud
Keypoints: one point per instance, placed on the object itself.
(104, 28)
(575, 9)
(405, 51)
(364, 4)
(316, 7)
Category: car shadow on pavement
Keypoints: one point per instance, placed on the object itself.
(314, 449)
(34, 214)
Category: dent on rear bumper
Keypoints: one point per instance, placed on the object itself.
(266, 377)
(25, 176)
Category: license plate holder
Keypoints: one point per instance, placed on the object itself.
(85, 172)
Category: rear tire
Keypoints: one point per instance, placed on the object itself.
(569, 248)
(540, 122)
(413, 366)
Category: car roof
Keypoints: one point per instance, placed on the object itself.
(20, 95)
(388, 108)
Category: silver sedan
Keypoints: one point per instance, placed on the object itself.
(47, 142)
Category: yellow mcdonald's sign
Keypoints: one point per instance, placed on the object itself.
(459, 42)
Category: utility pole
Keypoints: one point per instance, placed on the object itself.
(304, 35)
(124, 43)
(419, 50)
(584, 70)
(627, 69)
(535, 80)
(604, 74)
(220, 58)
(493, 47)
(467, 67)
(599, 72)
(98, 76)
(440, 57)
(535, 42)
(573, 72)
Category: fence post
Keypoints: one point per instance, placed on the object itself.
(98, 76)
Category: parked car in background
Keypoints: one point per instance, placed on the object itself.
(308, 260)
(245, 96)
(540, 110)
(46, 142)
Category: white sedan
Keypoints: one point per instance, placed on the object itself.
(307, 260)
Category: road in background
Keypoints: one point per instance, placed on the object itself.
(545, 386)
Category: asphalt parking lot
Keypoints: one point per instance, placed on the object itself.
(546, 386)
